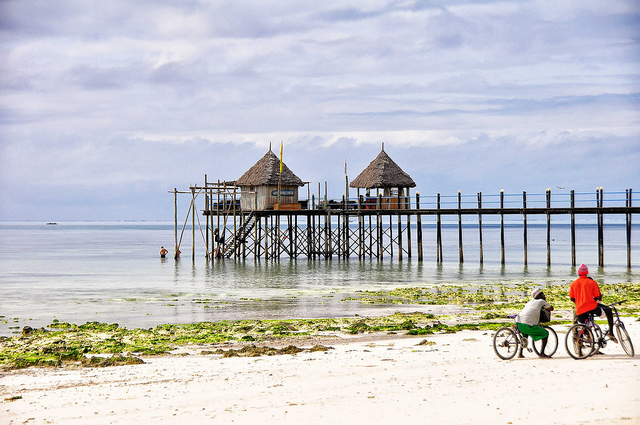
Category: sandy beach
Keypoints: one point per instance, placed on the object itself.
(370, 378)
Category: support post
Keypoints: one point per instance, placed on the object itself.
(548, 195)
(502, 256)
(525, 234)
(399, 236)
(193, 224)
(360, 230)
(419, 228)
(380, 244)
(460, 249)
(573, 228)
(480, 227)
(438, 233)
(629, 197)
(601, 242)
(206, 209)
(175, 221)
(601, 229)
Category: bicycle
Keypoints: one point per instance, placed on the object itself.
(585, 339)
(507, 339)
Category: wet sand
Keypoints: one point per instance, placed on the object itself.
(371, 378)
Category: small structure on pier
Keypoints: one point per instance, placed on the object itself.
(383, 173)
(263, 187)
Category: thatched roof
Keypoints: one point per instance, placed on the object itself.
(382, 172)
(267, 172)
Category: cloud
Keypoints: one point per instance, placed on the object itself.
(101, 100)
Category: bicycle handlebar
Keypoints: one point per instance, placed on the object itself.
(616, 303)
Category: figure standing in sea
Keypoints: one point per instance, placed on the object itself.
(163, 252)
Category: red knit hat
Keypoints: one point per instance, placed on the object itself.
(583, 270)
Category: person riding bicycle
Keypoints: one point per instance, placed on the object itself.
(586, 295)
(528, 321)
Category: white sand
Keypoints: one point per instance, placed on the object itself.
(459, 380)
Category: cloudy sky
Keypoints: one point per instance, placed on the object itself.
(105, 106)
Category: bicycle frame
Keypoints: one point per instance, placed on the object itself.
(602, 339)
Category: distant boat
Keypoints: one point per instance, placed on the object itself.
(52, 223)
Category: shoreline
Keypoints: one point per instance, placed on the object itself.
(378, 378)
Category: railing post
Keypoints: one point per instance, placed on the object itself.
(548, 195)
(419, 227)
(600, 202)
(480, 227)
(525, 236)
(438, 233)
(502, 256)
(460, 249)
(573, 228)
(629, 197)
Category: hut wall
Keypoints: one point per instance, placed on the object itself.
(266, 197)
(394, 199)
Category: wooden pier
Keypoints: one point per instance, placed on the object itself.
(360, 228)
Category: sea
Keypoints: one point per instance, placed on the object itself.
(111, 272)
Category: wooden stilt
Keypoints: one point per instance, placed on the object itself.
(601, 229)
(628, 204)
(573, 229)
(175, 225)
(419, 229)
(502, 255)
(548, 227)
(480, 227)
(399, 217)
(525, 230)
(438, 233)
(460, 249)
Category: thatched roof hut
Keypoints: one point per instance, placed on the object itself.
(383, 172)
(262, 187)
(267, 172)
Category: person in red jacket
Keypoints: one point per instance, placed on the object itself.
(586, 295)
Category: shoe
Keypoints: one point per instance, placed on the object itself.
(611, 337)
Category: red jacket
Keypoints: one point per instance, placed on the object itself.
(584, 290)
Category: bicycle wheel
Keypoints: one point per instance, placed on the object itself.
(505, 343)
(623, 339)
(580, 342)
(552, 343)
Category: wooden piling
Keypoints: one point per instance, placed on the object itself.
(193, 224)
(524, 216)
(502, 255)
(600, 201)
(548, 194)
(438, 232)
(628, 204)
(460, 249)
(175, 226)
(480, 227)
(573, 228)
(380, 244)
(399, 217)
(419, 228)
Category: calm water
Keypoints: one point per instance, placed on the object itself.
(111, 272)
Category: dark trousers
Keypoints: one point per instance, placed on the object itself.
(598, 311)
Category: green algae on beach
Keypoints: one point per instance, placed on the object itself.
(70, 344)
(497, 297)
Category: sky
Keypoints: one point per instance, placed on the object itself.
(107, 106)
